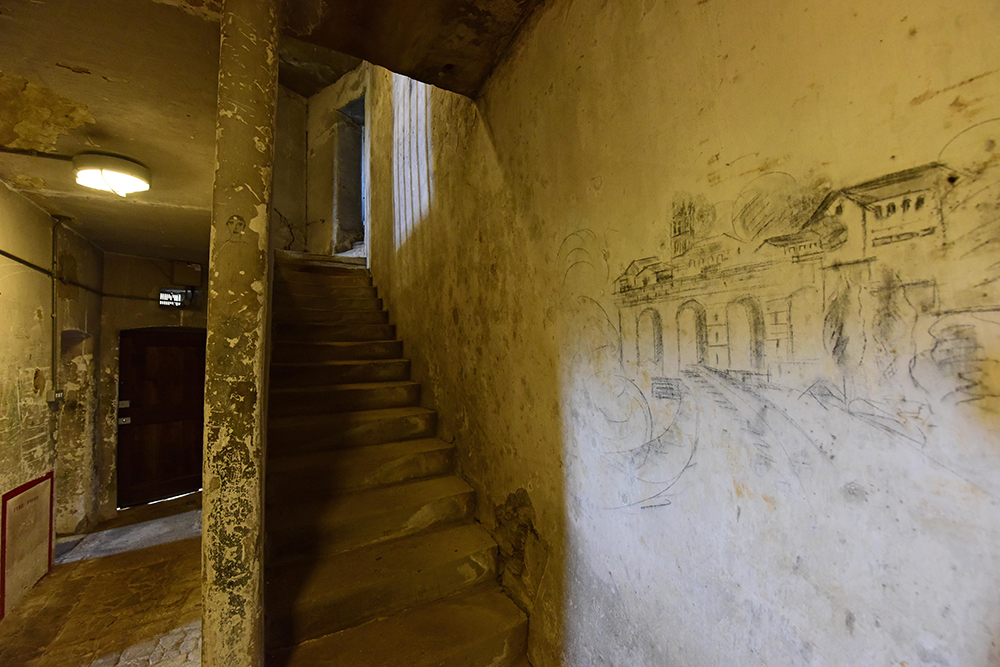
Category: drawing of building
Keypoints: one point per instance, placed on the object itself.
(760, 309)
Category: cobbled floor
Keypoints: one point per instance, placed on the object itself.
(134, 609)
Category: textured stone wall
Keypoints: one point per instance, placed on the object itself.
(324, 152)
(79, 273)
(706, 295)
(26, 423)
(288, 203)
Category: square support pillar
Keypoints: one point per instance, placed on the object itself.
(236, 354)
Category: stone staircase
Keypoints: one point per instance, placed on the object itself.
(373, 558)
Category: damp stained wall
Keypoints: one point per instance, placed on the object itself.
(131, 289)
(26, 422)
(726, 393)
(79, 273)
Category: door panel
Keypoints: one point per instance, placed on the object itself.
(161, 414)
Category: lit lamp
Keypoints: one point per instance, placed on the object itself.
(111, 174)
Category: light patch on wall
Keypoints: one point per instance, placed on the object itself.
(413, 156)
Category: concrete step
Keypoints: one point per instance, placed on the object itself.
(476, 628)
(352, 278)
(343, 398)
(298, 314)
(297, 352)
(293, 257)
(308, 600)
(341, 430)
(320, 268)
(285, 291)
(289, 331)
(303, 530)
(319, 475)
(312, 374)
(290, 300)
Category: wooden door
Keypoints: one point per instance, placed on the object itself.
(161, 406)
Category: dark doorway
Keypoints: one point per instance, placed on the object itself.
(349, 179)
(649, 340)
(692, 334)
(161, 404)
(745, 324)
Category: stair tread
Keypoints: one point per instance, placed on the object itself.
(305, 289)
(350, 428)
(459, 630)
(339, 343)
(307, 528)
(327, 472)
(296, 332)
(319, 324)
(291, 256)
(290, 310)
(348, 386)
(319, 351)
(356, 417)
(296, 307)
(336, 363)
(372, 502)
(359, 569)
(281, 463)
(343, 591)
(349, 275)
(343, 371)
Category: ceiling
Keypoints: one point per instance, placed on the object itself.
(138, 78)
(453, 44)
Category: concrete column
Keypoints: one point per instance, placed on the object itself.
(233, 517)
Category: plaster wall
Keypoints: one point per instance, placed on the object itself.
(131, 290)
(26, 442)
(347, 199)
(327, 133)
(79, 271)
(288, 201)
(639, 178)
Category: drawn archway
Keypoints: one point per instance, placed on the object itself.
(745, 325)
(692, 334)
(649, 339)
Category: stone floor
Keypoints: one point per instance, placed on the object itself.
(129, 538)
(133, 609)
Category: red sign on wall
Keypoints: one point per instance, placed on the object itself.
(25, 538)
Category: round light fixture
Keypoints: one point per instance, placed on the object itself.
(111, 174)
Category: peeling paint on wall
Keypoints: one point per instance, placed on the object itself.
(79, 266)
(210, 10)
(33, 117)
(26, 421)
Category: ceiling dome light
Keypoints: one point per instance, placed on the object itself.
(111, 174)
